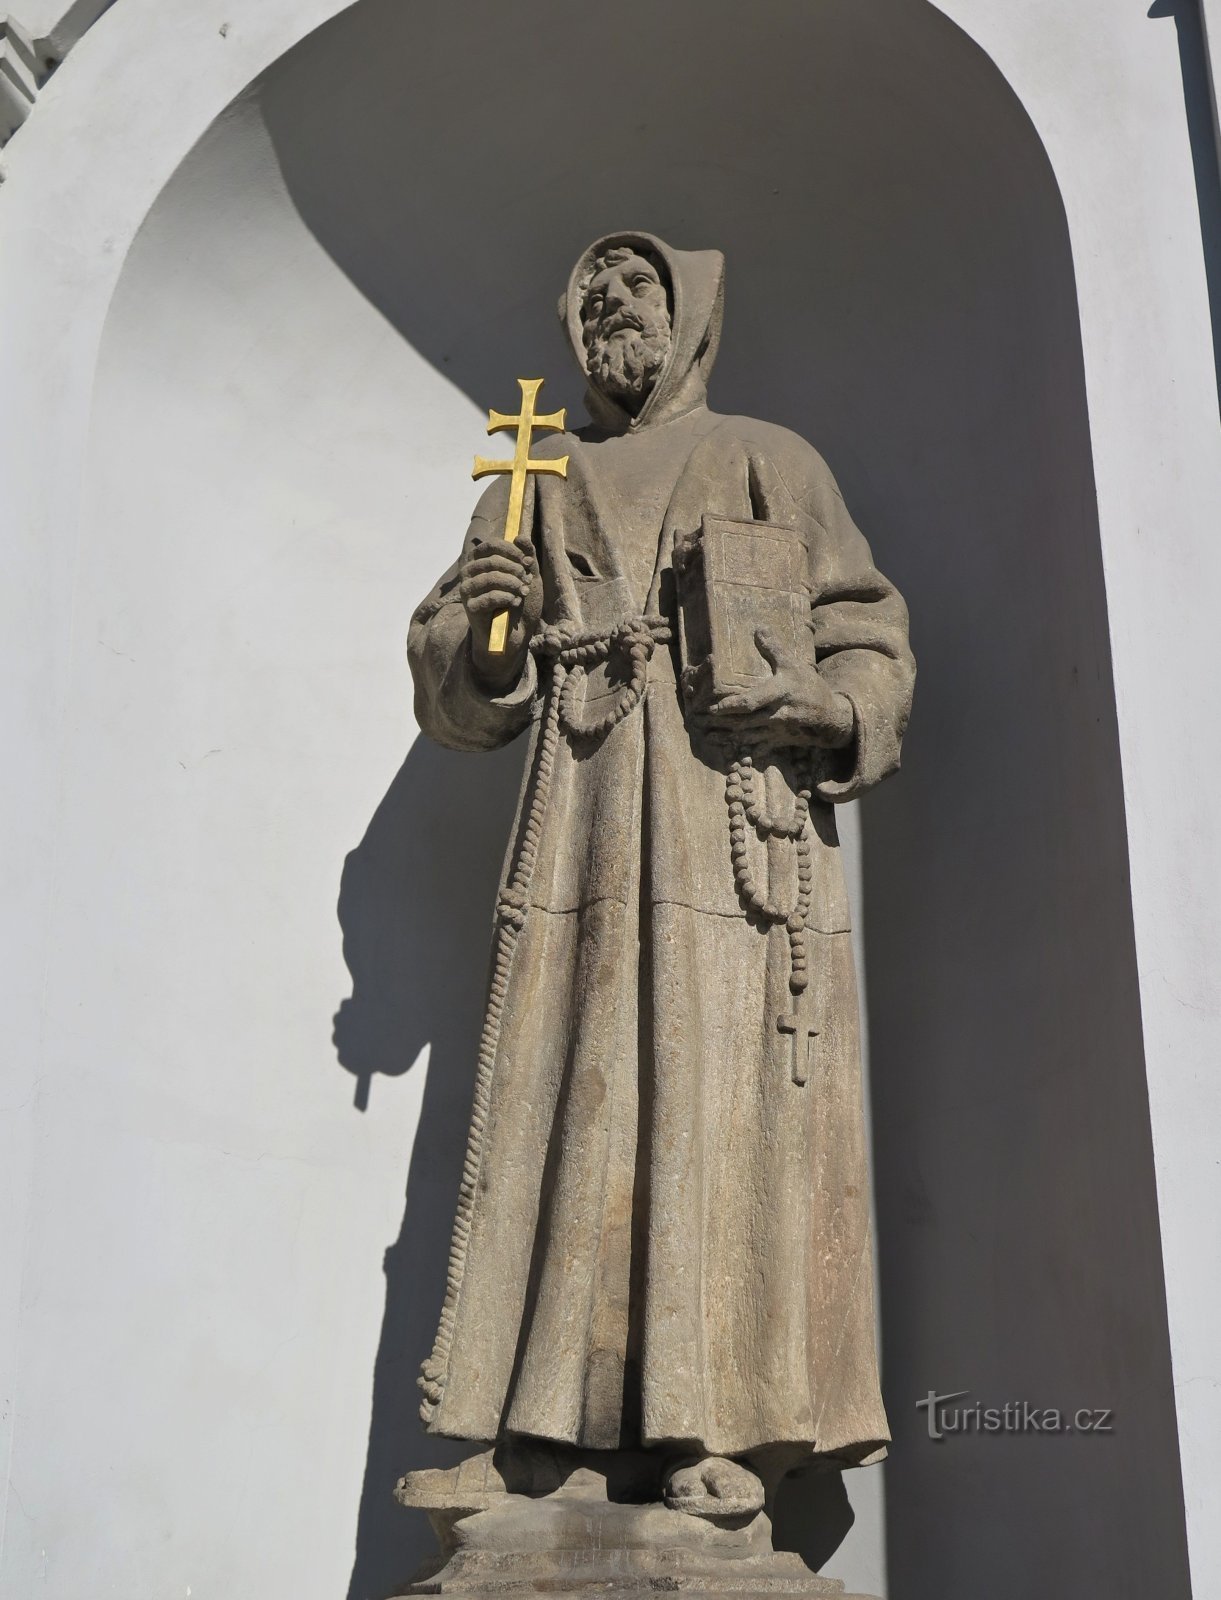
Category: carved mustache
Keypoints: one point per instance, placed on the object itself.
(622, 319)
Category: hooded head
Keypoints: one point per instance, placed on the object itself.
(644, 321)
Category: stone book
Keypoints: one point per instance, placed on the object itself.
(734, 579)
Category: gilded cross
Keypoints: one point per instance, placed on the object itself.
(804, 1035)
(519, 467)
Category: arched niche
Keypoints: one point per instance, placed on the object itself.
(360, 255)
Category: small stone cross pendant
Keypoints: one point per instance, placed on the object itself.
(804, 1035)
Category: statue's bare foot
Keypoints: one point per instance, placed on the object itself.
(713, 1486)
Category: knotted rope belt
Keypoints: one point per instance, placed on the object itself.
(636, 639)
(571, 652)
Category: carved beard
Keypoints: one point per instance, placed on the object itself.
(626, 362)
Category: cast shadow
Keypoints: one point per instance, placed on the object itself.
(812, 1515)
(1202, 134)
(415, 906)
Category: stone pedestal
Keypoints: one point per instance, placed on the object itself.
(577, 1541)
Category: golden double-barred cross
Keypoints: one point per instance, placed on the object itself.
(525, 422)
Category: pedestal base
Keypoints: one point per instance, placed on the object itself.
(574, 1544)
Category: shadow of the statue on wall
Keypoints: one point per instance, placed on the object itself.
(415, 907)
(812, 1515)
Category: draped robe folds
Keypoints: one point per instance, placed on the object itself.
(662, 1236)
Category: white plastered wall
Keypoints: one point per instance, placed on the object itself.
(1104, 90)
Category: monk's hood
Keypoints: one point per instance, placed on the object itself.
(697, 287)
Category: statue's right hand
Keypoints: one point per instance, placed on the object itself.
(495, 578)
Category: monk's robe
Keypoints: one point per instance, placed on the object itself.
(662, 1234)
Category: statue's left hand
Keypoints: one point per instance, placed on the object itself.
(795, 705)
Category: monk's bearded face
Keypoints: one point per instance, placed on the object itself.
(625, 328)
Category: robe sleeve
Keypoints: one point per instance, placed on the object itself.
(452, 706)
(859, 622)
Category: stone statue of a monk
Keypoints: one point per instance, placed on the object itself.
(662, 1243)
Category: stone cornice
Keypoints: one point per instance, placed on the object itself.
(22, 72)
(29, 55)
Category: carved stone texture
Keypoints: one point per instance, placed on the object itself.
(661, 1253)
